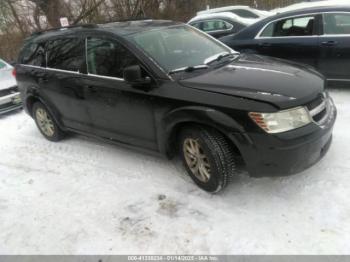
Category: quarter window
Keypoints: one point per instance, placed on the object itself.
(2, 65)
(216, 25)
(298, 26)
(337, 24)
(66, 54)
(108, 58)
(196, 25)
(34, 54)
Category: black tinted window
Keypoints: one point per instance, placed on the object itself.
(34, 54)
(108, 58)
(66, 54)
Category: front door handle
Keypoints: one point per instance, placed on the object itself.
(329, 43)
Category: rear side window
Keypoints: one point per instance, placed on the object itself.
(66, 54)
(337, 24)
(34, 54)
(108, 58)
(215, 25)
(298, 26)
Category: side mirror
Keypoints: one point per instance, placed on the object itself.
(133, 75)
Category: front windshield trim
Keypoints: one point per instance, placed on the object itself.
(167, 70)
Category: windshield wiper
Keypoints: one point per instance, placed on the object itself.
(188, 69)
(217, 57)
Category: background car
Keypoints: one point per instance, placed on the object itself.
(9, 95)
(220, 24)
(308, 4)
(318, 36)
(242, 11)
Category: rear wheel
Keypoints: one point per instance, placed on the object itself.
(208, 157)
(46, 123)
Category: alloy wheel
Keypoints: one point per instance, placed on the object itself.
(196, 159)
(45, 122)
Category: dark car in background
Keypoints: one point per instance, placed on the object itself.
(318, 36)
(169, 89)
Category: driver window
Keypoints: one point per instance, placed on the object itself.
(108, 58)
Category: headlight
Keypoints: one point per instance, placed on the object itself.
(282, 121)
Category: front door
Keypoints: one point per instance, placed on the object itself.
(117, 110)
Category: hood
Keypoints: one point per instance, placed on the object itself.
(278, 82)
(7, 80)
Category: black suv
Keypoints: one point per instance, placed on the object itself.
(166, 87)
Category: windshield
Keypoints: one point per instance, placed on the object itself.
(178, 47)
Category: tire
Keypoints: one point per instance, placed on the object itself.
(216, 167)
(46, 123)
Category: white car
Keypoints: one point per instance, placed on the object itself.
(9, 95)
(303, 5)
(242, 11)
(220, 24)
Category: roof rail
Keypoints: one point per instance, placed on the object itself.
(127, 20)
(64, 27)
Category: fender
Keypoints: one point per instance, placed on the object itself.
(31, 93)
(197, 115)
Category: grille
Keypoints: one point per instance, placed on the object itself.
(9, 91)
(319, 108)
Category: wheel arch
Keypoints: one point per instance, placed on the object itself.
(180, 118)
(32, 98)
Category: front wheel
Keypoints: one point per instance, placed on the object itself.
(46, 123)
(208, 158)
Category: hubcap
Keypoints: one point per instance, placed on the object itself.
(196, 159)
(45, 122)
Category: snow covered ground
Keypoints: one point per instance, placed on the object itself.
(84, 197)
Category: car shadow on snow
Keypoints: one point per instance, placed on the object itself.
(10, 113)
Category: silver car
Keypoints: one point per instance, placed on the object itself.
(9, 95)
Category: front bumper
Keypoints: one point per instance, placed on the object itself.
(290, 152)
(10, 102)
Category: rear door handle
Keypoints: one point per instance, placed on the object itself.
(265, 44)
(329, 43)
(43, 80)
(91, 89)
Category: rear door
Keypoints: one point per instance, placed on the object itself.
(335, 46)
(61, 84)
(292, 38)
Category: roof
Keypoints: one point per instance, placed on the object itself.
(224, 15)
(312, 9)
(303, 5)
(118, 28)
(233, 7)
